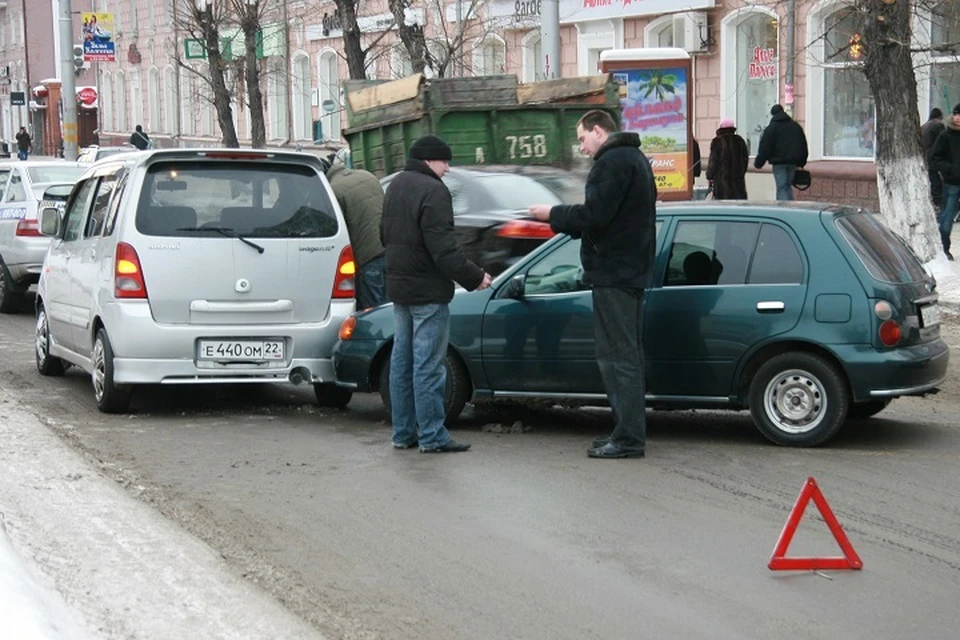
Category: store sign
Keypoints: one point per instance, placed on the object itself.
(764, 64)
(526, 8)
(331, 25)
(98, 45)
(18, 98)
(584, 10)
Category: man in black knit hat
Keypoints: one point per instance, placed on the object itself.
(423, 261)
(784, 145)
(945, 158)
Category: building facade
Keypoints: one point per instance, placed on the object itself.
(742, 65)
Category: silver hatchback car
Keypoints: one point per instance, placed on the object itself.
(193, 267)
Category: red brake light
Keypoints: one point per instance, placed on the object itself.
(127, 274)
(526, 229)
(235, 156)
(890, 333)
(344, 282)
(29, 228)
(346, 328)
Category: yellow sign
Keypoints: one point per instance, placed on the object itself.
(98, 45)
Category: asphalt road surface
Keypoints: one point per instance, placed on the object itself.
(524, 536)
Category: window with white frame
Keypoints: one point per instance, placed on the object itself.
(207, 110)
(659, 33)
(757, 75)
(120, 104)
(944, 68)
(300, 72)
(136, 97)
(106, 102)
(489, 55)
(187, 102)
(276, 100)
(330, 106)
(848, 105)
(171, 95)
(532, 54)
(400, 64)
(153, 100)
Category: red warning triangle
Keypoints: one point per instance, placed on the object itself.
(849, 560)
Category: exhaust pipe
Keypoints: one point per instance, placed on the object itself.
(300, 375)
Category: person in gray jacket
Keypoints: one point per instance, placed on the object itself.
(361, 200)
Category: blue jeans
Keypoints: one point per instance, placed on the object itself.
(618, 329)
(371, 290)
(417, 377)
(21, 154)
(951, 203)
(783, 177)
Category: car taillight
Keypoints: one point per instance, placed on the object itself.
(346, 329)
(344, 283)
(890, 331)
(127, 274)
(30, 228)
(526, 229)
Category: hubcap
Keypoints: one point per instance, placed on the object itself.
(795, 401)
(99, 369)
(42, 335)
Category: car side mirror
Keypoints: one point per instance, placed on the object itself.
(516, 286)
(49, 221)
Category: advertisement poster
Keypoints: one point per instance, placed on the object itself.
(653, 104)
(98, 45)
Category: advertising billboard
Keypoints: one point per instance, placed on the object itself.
(98, 45)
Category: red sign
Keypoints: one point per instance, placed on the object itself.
(764, 64)
(87, 95)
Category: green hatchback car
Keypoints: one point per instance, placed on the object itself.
(807, 315)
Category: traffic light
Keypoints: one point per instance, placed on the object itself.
(78, 62)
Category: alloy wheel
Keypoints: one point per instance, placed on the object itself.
(99, 369)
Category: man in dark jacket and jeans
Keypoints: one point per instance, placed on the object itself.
(945, 158)
(616, 225)
(423, 260)
(784, 145)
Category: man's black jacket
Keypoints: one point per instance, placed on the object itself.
(617, 220)
(782, 142)
(423, 258)
(945, 155)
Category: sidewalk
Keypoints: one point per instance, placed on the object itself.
(80, 558)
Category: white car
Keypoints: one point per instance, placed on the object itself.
(22, 185)
(194, 267)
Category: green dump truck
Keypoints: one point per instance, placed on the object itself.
(486, 120)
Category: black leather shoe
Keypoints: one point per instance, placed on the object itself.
(451, 447)
(599, 442)
(400, 445)
(611, 450)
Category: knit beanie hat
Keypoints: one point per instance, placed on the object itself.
(775, 109)
(956, 109)
(430, 148)
(727, 123)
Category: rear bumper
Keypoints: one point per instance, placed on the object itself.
(352, 360)
(909, 371)
(24, 260)
(149, 353)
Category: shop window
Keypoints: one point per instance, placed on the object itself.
(276, 100)
(757, 69)
(330, 105)
(300, 69)
(171, 99)
(532, 57)
(106, 100)
(153, 100)
(848, 105)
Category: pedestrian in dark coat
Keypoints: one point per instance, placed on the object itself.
(616, 225)
(945, 158)
(24, 143)
(784, 145)
(727, 165)
(423, 261)
(929, 132)
(139, 139)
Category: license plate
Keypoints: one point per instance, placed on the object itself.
(930, 315)
(241, 350)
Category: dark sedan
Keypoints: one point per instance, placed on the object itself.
(490, 209)
(805, 314)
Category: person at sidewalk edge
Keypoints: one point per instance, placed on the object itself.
(728, 162)
(945, 158)
(929, 132)
(361, 200)
(423, 261)
(616, 225)
(784, 145)
(23, 143)
(139, 139)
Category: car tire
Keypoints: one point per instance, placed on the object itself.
(456, 394)
(864, 410)
(47, 364)
(798, 399)
(330, 395)
(110, 397)
(11, 296)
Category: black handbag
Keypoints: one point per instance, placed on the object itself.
(801, 179)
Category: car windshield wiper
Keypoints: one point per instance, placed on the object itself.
(225, 231)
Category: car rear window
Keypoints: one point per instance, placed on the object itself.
(517, 192)
(205, 198)
(66, 173)
(882, 252)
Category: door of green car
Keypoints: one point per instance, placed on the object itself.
(727, 285)
(542, 340)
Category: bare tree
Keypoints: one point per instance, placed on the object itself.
(250, 14)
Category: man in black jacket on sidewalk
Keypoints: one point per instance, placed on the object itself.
(616, 225)
(945, 158)
(423, 261)
(784, 145)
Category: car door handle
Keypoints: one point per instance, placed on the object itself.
(770, 306)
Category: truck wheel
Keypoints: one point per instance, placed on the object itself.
(330, 395)
(456, 393)
(47, 364)
(11, 296)
(798, 399)
(864, 410)
(110, 397)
